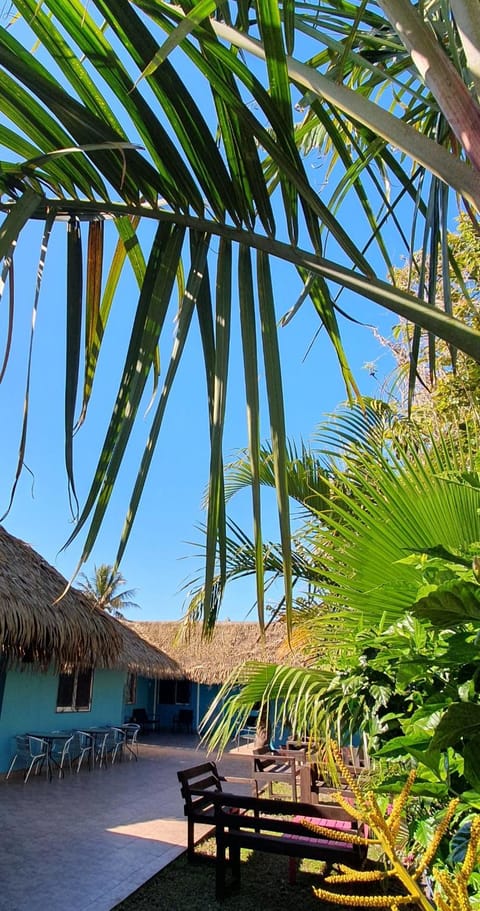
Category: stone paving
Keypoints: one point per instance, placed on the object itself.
(87, 841)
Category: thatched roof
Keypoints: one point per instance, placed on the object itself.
(36, 628)
(212, 661)
(141, 657)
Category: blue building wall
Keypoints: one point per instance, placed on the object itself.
(144, 699)
(207, 695)
(29, 705)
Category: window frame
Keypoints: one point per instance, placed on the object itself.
(131, 688)
(74, 674)
(173, 687)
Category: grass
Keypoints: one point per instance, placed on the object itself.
(264, 883)
(191, 887)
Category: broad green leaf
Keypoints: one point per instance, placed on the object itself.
(450, 604)
(250, 366)
(73, 344)
(216, 498)
(271, 360)
(15, 220)
(471, 757)
(461, 720)
(200, 11)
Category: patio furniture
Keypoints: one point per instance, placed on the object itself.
(140, 716)
(32, 753)
(60, 750)
(249, 731)
(198, 785)
(278, 765)
(318, 778)
(183, 720)
(84, 744)
(131, 739)
(55, 741)
(117, 743)
(101, 737)
(269, 830)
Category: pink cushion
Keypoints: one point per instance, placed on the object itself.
(342, 825)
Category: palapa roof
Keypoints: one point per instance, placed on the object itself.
(37, 628)
(142, 657)
(212, 661)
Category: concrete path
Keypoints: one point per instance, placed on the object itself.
(87, 841)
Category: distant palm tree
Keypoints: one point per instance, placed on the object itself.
(103, 587)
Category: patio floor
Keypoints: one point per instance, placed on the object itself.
(87, 841)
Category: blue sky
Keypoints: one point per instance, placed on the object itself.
(159, 558)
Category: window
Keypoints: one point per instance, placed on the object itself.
(131, 689)
(182, 692)
(74, 692)
(175, 692)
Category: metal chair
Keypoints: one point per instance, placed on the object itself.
(118, 738)
(102, 740)
(84, 745)
(60, 753)
(31, 752)
(131, 741)
(183, 720)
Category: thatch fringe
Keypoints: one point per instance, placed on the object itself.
(40, 627)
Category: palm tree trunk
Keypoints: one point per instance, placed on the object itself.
(263, 731)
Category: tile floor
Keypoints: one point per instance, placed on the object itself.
(87, 841)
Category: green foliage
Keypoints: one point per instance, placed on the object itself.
(446, 392)
(393, 620)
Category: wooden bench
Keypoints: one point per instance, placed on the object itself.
(314, 776)
(266, 830)
(199, 785)
(278, 765)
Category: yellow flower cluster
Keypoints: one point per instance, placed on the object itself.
(455, 887)
(395, 818)
(453, 892)
(363, 901)
(335, 834)
(437, 837)
(358, 876)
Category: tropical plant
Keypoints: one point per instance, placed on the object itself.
(452, 888)
(102, 122)
(103, 589)
(392, 621)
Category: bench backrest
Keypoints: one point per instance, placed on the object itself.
(202, 778)
(265, 759)
(270, 814)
